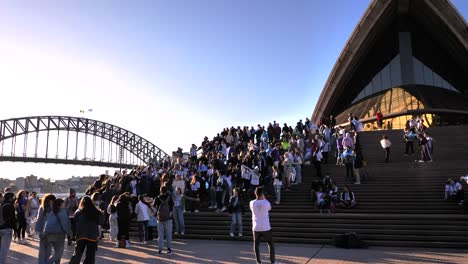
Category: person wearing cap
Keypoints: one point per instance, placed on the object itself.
(71, 205)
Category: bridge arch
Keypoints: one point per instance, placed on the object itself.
(138, 146)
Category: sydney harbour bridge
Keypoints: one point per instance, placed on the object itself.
(73, 140)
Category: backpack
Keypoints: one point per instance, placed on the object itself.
(164, 213)
(348, 159)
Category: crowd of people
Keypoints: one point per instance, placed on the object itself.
(218, 175)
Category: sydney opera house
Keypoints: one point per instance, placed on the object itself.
(405, 58)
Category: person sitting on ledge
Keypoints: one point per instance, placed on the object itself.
(347, 198)
(454, 190)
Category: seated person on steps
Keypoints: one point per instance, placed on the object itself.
(454, 190)
(347, 198)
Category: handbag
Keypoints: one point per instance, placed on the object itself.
(153, 222)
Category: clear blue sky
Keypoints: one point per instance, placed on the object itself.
(172, 71)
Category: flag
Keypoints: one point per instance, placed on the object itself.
(90, 110)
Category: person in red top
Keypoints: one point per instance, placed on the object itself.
(379, 117)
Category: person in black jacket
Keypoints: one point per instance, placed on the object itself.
(124, 216)
(88, 218)
(7, 223)
(236, 208)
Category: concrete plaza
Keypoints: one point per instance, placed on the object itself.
(204, 251)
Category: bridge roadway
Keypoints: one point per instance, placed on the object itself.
(84, 162)
(205, 251)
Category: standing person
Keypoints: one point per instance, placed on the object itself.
(6, 225)
(57, 226)
(423, 146)
(124, 216)
(339, 149)
(386, 144)
(277, 184)
(142, 211)
(164, 204)
(236, 208)
(88, 218)
(350, 120)
(178, 212)
(71, 205)
(219, 193)
(113, 222)
(45, 209)
(409, 139)
(379, 118)
(22, 210)
(261, 224)
(348, 158)
(34, 203)
(298, 166)
(289, 172)
(430, 145)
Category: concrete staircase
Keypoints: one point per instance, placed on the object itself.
(400, 205)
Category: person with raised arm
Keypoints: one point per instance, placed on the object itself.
(260, 208)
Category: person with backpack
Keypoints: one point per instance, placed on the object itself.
(88, 218)
(164, 205)
(7, 224)
(45, 209)
(113, 222)
(57, 226)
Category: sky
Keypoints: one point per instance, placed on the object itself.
(170, 71)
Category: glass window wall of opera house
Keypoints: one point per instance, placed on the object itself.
(431, 98)
(435, 106)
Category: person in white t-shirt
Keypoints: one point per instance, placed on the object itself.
(260, 208)
(386, 144)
